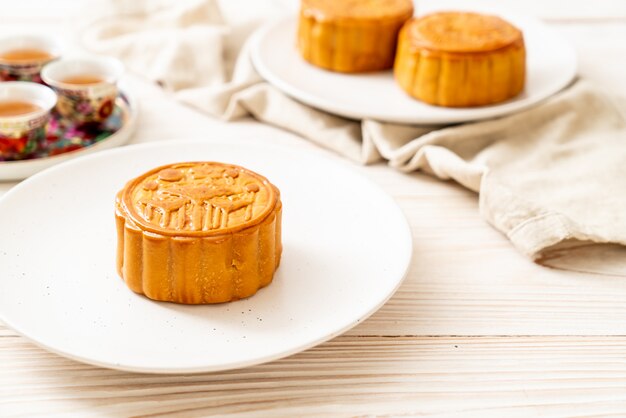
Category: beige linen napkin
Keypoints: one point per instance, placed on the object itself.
(176, 44)
(552, 178)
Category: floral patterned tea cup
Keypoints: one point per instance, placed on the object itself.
(23, 57)
(24, 111)
(86, 87)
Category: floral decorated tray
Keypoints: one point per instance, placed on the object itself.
(65, 139)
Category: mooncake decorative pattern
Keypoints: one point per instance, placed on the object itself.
(199, 232)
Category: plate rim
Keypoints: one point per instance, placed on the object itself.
(407, 260)
(119, 137)
(309, 99)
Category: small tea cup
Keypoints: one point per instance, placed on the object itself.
(23, 57)
(24, 112)
(86, 87)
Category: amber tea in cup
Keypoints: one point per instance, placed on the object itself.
(23, 57)
(17, 108)
(20, 55)
(24, 112)
(87, 87)
(83, 79)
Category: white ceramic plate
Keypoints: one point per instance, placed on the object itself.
(551, 65)
(347, 247)
(17, 170)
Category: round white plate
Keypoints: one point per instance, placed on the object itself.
(551, 65)
(347, 247)
(17, 170)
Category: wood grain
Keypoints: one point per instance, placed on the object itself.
(434, 376)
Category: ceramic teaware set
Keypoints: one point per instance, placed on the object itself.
(36, 80)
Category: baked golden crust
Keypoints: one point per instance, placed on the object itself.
(200, 232)
(351, 36)
(460, 59)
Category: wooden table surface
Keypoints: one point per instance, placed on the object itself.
(476, 328)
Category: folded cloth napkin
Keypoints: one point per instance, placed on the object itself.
(177, 45)
(551, 177)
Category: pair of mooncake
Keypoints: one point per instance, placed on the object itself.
(453, 59)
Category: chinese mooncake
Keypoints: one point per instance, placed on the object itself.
(198, 232)
(351, 36)
(460, 59)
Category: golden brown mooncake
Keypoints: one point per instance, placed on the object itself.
(198, 232)
(459, 59)
(351, 36)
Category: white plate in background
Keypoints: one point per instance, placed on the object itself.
(551, 65)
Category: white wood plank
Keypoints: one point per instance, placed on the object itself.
(547, 376)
